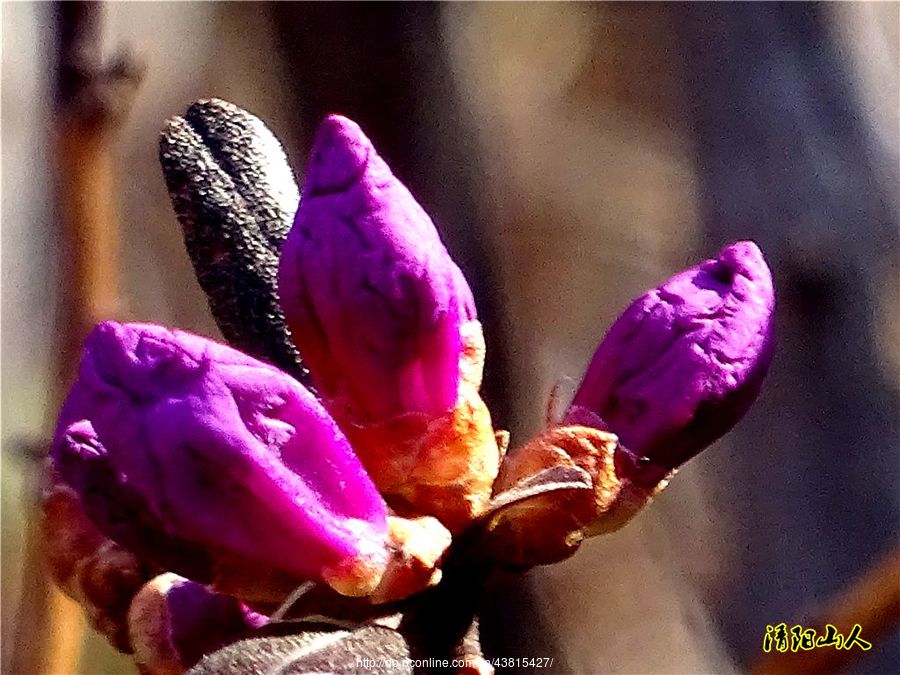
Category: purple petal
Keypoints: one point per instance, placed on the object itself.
(372, 297)
(119, 510)
(220, 450)
(686, 360)
(174, 622)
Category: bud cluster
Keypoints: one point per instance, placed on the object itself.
(191, 481)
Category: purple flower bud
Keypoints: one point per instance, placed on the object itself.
(371, 295)
(386, 324)
(685, 361)
(174, 622)
(195, 453)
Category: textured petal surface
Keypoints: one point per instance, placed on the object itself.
(372, 297)
(212, 448)
(686, 360)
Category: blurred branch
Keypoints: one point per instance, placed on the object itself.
(92, 96)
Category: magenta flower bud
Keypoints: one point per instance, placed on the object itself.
(386, 324)
(374, 302)
(192, 452)
(685, 361)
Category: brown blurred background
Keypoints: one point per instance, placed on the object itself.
(572, 155)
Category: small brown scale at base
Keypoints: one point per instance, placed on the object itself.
(89, 568)
(570, 485)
